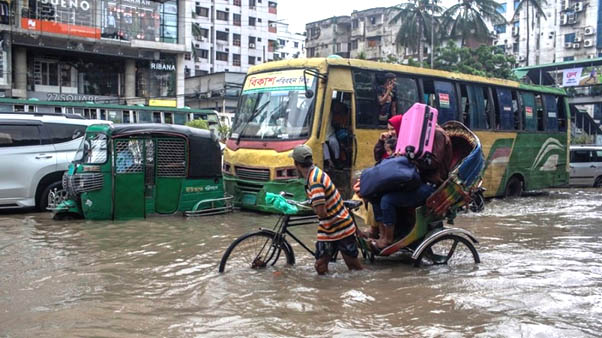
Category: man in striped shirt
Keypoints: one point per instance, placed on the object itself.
(336, 228)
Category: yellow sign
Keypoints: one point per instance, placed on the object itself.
(284, 80)
(162, 103)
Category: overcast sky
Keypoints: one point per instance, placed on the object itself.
(299, 12)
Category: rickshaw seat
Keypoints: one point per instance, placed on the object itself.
(352, 204)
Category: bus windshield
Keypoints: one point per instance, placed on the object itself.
(274, 106)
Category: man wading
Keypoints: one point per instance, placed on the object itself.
(336, 229)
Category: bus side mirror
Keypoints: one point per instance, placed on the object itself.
(309, 93)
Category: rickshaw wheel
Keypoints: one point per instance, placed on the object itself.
(450, 250)
(256, 250)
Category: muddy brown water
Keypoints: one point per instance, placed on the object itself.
(540, 276)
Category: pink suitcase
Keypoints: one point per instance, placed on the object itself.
(417, 132)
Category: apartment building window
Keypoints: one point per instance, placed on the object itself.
(237, 3)
(251, 21)
(204, 32)
(355, 24)
(252, 3)
(501, 9)
(353, 44)
(516, 3)
(236, 39)
(202, 11)
(223, 36)
(47, 73)
(281, 42)
(569, 37)
(221, 15)
(236, 19)
(236, 60)
(252, 42)
(311, 51)
(251, 60)
(568, 58)
(221, 56)
(272, 7)
(296, 44)
(203, 53)
(499, 29)
(374, 41)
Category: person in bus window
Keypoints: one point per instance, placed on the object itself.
(387, 98)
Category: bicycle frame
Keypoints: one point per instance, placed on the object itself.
(282, 228)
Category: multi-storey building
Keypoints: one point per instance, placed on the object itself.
(233, 35)
(290, 45)
(122, 51)
(328, 36)
(569, 31)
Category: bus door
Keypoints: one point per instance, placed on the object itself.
(340, 146)
(129, 178)
(171, 166)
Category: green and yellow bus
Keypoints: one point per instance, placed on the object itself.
(111, 112)
(524, 129)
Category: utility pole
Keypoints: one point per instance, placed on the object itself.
(432, 35)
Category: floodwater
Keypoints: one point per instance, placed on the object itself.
(540, 276)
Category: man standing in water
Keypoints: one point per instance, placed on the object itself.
(336, 228)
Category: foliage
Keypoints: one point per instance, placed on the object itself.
(417, 18)
(200, 124)
(582, 139)
(486, 61)
(224, 131)
(361, 55)
(537, 8)
(468, 19)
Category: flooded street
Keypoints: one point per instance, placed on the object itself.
(540, 276)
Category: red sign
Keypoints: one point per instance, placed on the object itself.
(60, 28)
(529, 111)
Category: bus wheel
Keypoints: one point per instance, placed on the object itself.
(514, 187)
(598, 182)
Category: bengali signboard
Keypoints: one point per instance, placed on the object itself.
(285, 80)
(571, 77)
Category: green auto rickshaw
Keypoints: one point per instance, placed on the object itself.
(137, 170)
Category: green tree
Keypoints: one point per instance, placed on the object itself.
(537, 8)
(417, 19)
(468, 19)
(488, 61)
(200, 124)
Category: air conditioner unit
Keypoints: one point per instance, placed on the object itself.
(514, 31)
(578, 6)
(588, 43)
(576, 45)
(564, 19)
(251, 45)
(578, 39)
(572, 19)
(566, 4)
(227, 9)
(588, 31)
(227, 29)
(568, 45)
(521, 58)
(227, 49)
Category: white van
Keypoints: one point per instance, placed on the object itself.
(35, 151)
(586, 165)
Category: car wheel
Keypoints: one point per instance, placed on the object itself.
(598, 182)
(43, 203)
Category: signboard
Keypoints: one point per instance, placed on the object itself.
(67, 17)
(571, 77)
(60, 28)
(529, 112)
(162, 103)
(285, 80)
(443, 100)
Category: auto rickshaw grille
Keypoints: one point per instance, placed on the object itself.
(171, 157)
(79, 183)
(257, 174)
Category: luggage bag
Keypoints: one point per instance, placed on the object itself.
(417, 133)
(391, 174)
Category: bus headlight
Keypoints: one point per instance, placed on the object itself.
(286, 173)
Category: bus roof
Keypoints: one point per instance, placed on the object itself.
(102, 105)
(323, 63)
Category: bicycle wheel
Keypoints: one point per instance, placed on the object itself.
(450, 250)
(257, 250)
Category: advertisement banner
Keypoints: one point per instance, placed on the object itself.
(60, 28)
(285, 80)
(68, 17)
(571, 77)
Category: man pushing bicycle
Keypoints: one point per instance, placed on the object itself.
(336, 228)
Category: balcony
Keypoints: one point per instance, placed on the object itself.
(272, 29)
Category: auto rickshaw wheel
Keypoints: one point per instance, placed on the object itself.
(598, 182)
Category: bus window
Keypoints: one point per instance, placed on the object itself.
(103, 114)
(561, 113)
(380, 95)
(58, 110)
(156, 117)
(90, 113)
(541, 118)
(528, 108)
(518, 121)
(445, 100)
(549, 102)
(168, 118)
(474, 106)
(504, 117)
(126, 116)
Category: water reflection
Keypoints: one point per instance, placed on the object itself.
(541, 275)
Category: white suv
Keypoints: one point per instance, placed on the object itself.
(586, 165)
(35, 151)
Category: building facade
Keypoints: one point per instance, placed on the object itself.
(329, 36)
(218, 91)
(118, 51)
(231, 36)
(290, 45)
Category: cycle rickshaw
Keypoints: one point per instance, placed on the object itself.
(427, 241)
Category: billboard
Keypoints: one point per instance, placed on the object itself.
(67, 17)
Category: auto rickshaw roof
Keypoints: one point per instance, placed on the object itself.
(119, 130)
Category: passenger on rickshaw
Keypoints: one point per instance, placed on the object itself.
(432, 175)
(392, 131)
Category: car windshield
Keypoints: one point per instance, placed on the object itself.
(92, 150)
(274, 106)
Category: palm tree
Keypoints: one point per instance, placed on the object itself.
(417, 20)
(538, 7)
(468, 19)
